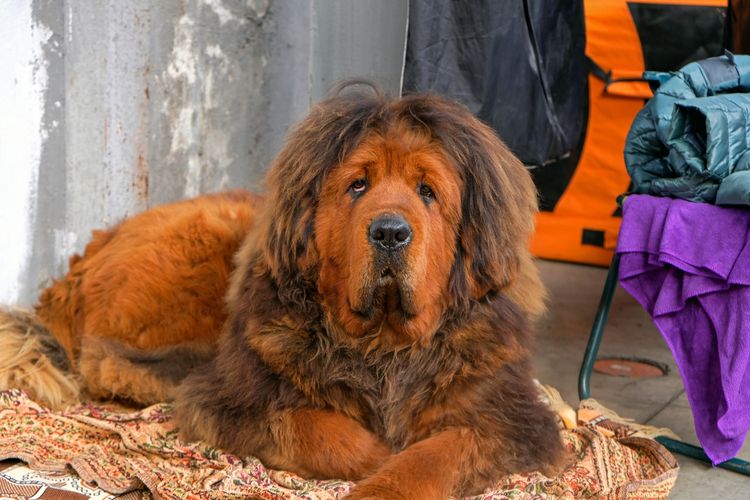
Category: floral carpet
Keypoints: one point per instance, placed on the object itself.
(101, 452)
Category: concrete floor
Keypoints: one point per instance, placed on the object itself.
(561, 341)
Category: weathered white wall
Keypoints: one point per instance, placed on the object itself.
(108, 107)
(22, 90)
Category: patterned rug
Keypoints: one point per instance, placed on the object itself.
(115, 452)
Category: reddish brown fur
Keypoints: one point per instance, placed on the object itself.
(157, 279)
(441, 378)
(325, 443)
(418, 386)
(394, 164)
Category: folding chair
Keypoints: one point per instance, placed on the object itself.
(592, 348)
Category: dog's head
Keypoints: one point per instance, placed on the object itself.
(399, 213)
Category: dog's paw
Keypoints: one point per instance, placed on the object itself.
(376, 488)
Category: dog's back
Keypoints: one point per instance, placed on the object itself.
(153, 281)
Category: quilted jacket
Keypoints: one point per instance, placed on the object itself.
(692, 139)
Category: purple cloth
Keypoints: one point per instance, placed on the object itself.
(688, 264)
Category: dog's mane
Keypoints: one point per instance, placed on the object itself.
(498, 197)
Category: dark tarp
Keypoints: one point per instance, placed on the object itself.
(519, 66)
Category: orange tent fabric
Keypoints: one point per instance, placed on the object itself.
(584, 224)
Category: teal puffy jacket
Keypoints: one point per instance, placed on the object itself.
(692, 139)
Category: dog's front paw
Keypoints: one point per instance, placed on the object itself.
(356, 494)
(378, 488)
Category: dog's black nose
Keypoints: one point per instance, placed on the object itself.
(390, 232)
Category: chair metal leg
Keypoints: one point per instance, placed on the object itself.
(587, 366)
(597, 329)
(690, 450)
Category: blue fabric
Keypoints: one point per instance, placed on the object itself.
(693, 136)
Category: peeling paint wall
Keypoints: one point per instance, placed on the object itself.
(110, 107)
(22, 137)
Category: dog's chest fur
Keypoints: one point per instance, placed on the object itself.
(385, 391)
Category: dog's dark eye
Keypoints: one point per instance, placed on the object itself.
(358, 187)
(425, 191)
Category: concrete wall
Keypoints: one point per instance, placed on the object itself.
(109, 107)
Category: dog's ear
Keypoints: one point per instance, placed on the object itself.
(498, 208)
(316, 145)
(498, 203)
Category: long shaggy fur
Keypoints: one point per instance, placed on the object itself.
(31, 359)
(152, 282)
(308, 384)
(406, 370)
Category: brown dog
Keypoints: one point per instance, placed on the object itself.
(377, 324)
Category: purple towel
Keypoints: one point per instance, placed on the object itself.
(688, 264)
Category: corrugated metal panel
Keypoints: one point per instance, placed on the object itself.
(117, 106)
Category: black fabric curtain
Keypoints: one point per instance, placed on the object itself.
(518, 65)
